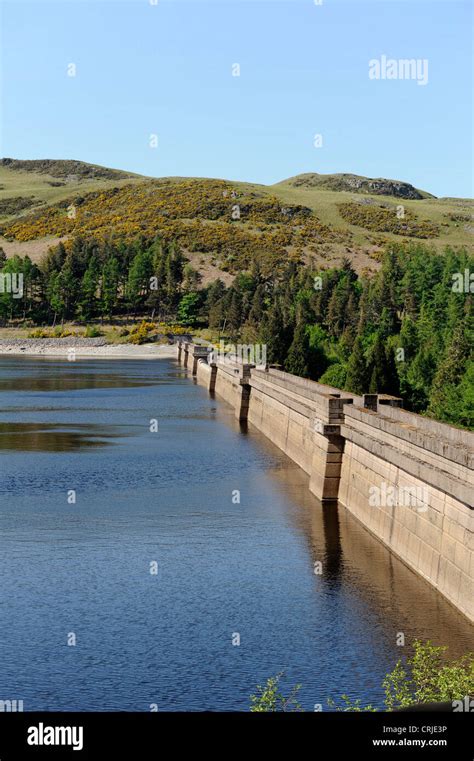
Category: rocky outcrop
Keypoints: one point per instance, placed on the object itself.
(358, 184)
(67, 168)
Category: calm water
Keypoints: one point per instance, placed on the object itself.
(223, 568)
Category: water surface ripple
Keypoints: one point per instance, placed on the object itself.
(223, 568)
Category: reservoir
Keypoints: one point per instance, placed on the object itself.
(154, 553)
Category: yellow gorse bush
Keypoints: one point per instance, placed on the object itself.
(199, 215)
(384, 219)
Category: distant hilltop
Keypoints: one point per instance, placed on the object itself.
(358, 184)
(224, 227)
(66, 169)
(70, 170)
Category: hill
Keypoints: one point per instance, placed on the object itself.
(223, 226)
(69, 170)
(357, 184)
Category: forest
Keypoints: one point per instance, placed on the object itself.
(406, 330)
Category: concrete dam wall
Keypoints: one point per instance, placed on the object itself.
(409, 480)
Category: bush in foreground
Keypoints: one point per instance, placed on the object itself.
(424, 678)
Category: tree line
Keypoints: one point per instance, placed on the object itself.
(407, 330)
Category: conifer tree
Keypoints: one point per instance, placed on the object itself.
(69, 287)
(274, 335)
(444, 397)
(54, 295)
(258, 306)
(139, 279)
(297, 360)
(234, 315)
(384, 377)
(110, 285)
(89, 285)
(356, 377)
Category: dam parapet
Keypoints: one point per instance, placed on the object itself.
(408, 479)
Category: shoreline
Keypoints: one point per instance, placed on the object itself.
(83, 347)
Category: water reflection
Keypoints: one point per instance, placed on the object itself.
(223, 567)
(52, 437)
(378, 584)
(332, 536)
(73, 381)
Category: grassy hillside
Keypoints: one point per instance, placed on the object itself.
(222, 226)
(406, 330)
(357, 184)
(47, 182)
(453, 216)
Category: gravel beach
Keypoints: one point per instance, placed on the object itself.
(84, 347)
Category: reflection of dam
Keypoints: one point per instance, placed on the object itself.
(374, 578)
(406, 478)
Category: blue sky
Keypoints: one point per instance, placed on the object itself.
(166, 69)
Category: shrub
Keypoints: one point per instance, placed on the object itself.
(269, 698)
(334, 376)
(39, 333)
(384, 219)
(140, 334)
(92, 332)
(424, 678)
(193, 213)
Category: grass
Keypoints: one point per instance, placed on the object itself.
(15, 183)
(116, 332)
(325, 204)
(219, 246)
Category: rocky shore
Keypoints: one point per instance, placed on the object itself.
(83, 347)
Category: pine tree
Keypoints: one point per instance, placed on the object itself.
(409, 338)
(89, 285)
(444, 396)
(215, 292)
(297, 360)
(258, 306)
(54, 295)
(274, 335)
(191, 278)
(139, 279)
(465, 411)
(356, 378)
(176, 266)
(389, 280)
(384, 377)
(417, 379)
(234, 315)
(69, 287)
(54, 259)
(110, 285)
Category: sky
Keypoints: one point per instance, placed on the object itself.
(166, 68)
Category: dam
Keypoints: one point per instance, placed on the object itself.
(406, 478)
